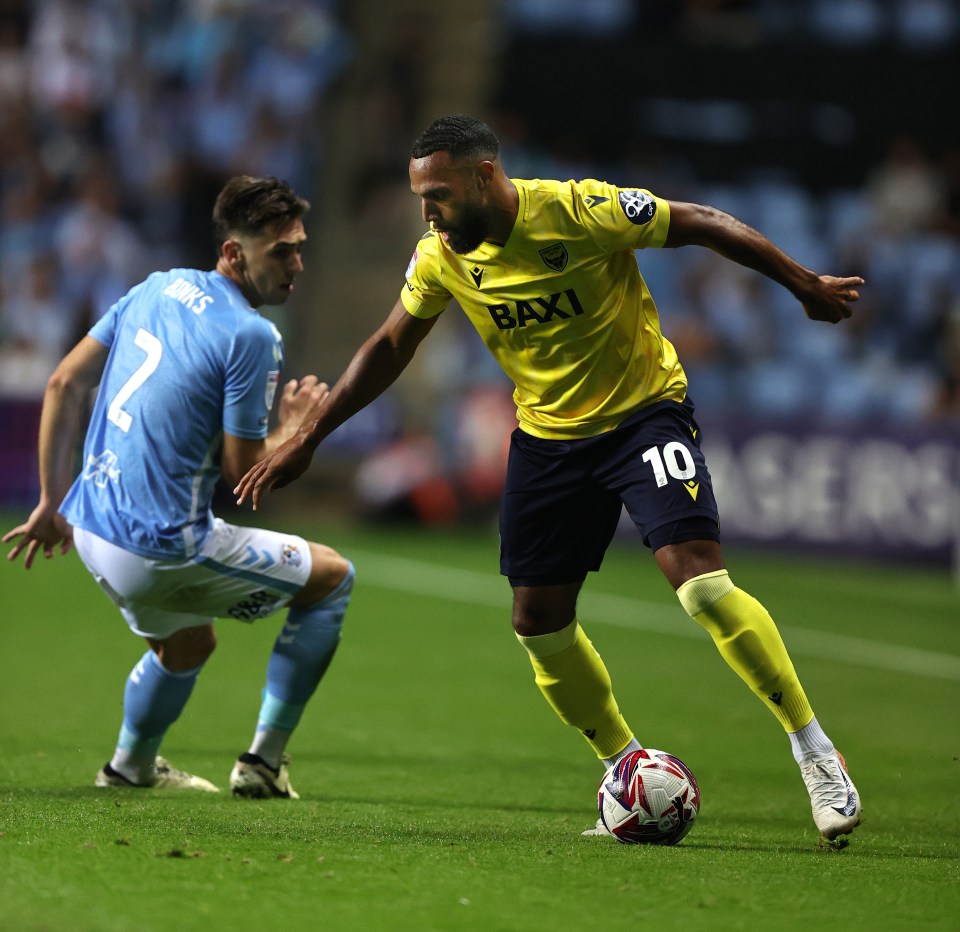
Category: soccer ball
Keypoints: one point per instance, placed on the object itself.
(648, 798)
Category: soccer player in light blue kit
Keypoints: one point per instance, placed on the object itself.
(187, 371)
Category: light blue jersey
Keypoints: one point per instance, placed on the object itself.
(189, 359)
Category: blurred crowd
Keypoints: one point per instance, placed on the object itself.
(119, 121)
(917, 24)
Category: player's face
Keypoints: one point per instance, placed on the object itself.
(452, 200)
(271, 261)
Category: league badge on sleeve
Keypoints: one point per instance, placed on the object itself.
(273, 379)
(639, 206)
(277, 344)
(412, 264)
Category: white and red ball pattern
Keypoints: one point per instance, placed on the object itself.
(648, 797)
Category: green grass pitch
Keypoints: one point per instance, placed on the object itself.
(440, 792)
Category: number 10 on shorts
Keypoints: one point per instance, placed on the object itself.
(675, 460)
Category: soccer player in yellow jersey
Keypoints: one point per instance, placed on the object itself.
(546, 272)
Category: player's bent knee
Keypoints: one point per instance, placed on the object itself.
(186, 649)
(328, 571)
(699, 594)
(543, 609)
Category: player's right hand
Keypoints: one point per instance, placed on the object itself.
(288, 462)
(45, 528)
(829, 298)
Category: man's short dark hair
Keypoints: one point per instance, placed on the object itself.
(247, 206)
(460, 135)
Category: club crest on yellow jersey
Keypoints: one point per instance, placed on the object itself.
(555, 257)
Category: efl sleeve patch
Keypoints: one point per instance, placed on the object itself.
(424, 294)
(412, 264)
(270, 392)
(251, 379)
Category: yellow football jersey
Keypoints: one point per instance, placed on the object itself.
(562, 305)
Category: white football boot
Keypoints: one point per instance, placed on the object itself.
(833, 797)
(598, 829)
(166, 777)
(253, 778)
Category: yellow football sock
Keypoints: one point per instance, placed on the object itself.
(573, 678)
(748, 639)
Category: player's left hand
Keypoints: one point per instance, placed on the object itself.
(301, 397)
(45, 528)
(829, 298)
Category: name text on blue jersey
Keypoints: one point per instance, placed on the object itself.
(188, 295)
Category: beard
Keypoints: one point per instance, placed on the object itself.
(470, 231)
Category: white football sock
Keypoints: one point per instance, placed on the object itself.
(808, 741)
(269, 745)
(634, 745)
(136, 769)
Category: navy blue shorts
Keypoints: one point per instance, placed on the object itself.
(562, 498)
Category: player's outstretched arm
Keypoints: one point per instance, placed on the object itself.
(63, 405)
(373, 369)
(824, 297)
